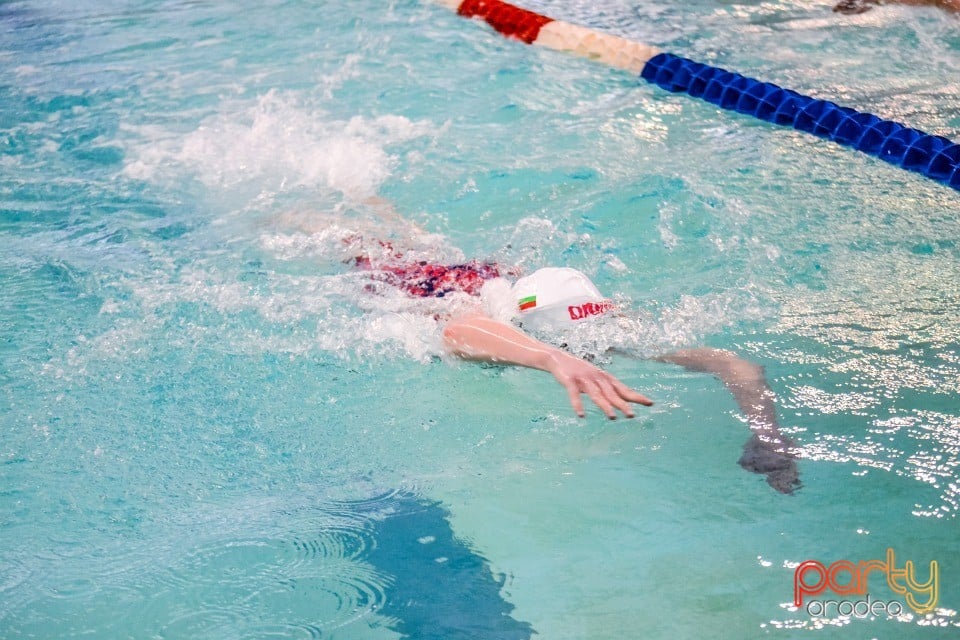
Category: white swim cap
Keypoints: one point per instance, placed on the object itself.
(554, 298)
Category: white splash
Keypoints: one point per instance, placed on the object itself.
(278, 141)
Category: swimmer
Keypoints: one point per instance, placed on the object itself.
(548, 302)
(860, 6)
(552, 298)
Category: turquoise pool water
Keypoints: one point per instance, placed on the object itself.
(208, 430)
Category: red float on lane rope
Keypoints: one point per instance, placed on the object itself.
(506, 18)
(936, 157)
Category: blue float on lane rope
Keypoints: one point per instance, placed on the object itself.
(933, 156)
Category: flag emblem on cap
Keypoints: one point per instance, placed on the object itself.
(528, 303)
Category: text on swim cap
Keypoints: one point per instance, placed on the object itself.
(587, 309)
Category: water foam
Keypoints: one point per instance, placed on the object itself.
(278, 141)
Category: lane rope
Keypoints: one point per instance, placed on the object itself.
(935, 157)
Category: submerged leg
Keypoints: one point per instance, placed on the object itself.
(767, 451)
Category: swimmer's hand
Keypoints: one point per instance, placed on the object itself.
(481, 338)
(607, 392)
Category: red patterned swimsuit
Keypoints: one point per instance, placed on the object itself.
(428, 280)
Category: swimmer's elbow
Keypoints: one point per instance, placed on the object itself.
(451, 333)
(454, 337)
(458, 337)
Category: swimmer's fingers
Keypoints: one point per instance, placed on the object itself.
(629, 394)
(604, 389)
(601, 390)
(576, 386)
(613, 397)
(575, 400)
(594, 388)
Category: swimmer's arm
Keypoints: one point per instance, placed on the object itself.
(489, 340)
(768, 451)
(388, 214)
